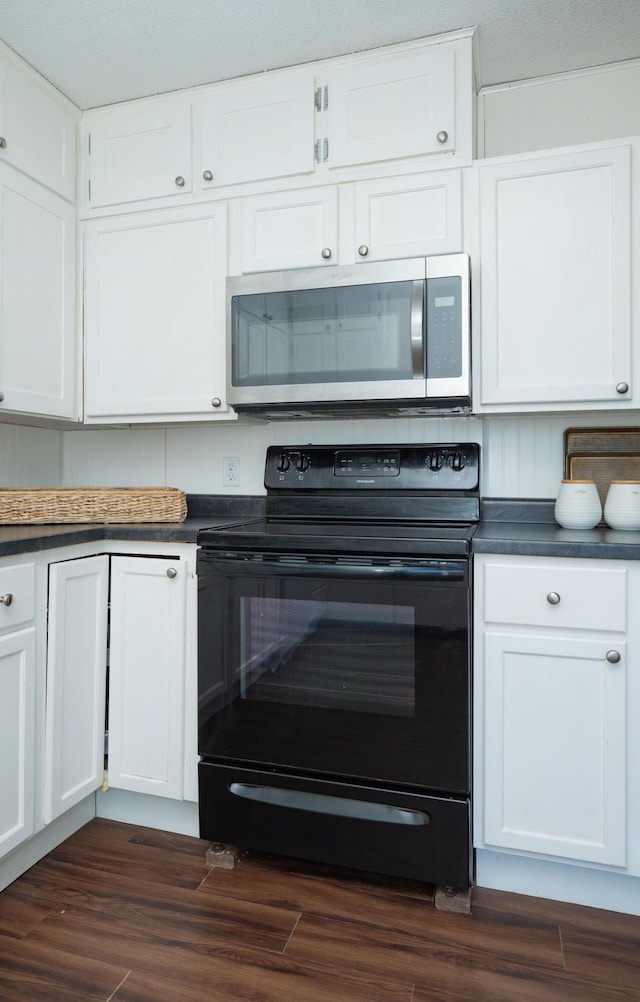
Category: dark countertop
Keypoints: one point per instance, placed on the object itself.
(528, 528)
(522, 528)
(204, 511)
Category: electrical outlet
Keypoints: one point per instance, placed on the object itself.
(231, 471)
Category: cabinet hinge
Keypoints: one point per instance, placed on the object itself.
(326, 98)
(325, 151)
(316, 151)
(89, 187)
(89, 143)
(318, 99)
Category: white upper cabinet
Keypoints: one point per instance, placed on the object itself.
(391, 107)
(290, 229)
(410, 216)
(37, 127)
(410, 103)
(555, 287)
(136, 152)
(37, 298)
(255, 129)
(155, 315)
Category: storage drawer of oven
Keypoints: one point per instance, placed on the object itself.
(411, 835)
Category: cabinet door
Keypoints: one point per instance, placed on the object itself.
(155, 314)
(555, 279)
(392, 107)
(291, 229)
(408, 217)
(76, 680)
(555, 746)
(258, 129)
(147, 675)
(17, 738)
(38, 131)
(37, 298)
(139, 153)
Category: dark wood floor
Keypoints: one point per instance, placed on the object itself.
(134, 915)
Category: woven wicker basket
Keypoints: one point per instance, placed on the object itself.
(42, 505)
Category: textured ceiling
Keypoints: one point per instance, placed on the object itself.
(103, 51)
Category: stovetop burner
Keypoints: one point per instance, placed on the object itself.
(421, 500)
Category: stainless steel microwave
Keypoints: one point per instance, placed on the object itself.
(388, 337)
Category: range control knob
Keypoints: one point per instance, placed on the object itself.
(457, 461)
(282, 463)
(302, 463)
(434, 462)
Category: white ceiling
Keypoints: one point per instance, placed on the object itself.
(103, 51)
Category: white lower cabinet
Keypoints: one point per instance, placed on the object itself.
(147, 675)
(76, 680)
(554, 648)
(18, 738)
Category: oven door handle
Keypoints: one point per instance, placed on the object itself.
(321, 803)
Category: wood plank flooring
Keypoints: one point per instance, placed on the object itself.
(129, 914)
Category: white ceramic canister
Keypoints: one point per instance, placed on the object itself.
(622, 505)
(578, 505)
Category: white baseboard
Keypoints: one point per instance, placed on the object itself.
(580, 885)
(26, 855)
(180, 816)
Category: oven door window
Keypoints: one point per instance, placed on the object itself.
(354, 675)
(353, 656)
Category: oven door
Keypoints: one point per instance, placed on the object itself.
(337, 667)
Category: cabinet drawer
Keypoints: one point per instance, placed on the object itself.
(17, 595)
(556, 595)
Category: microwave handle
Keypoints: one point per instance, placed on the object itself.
(417, 329)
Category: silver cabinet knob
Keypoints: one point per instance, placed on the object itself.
(3, 143)
(326, 252)
(1, 396)
(363, 250)
(553, 598)
(180, 181)
(442, 136)
(6, 599)
(207, 175)
(216, 402)
(622, 388)
(613, 657)
(172, 572)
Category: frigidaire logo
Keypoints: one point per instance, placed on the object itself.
(365, 481)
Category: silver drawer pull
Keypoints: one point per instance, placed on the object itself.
(553, 598)
(172, 572)
(613, 657)
(6, 599)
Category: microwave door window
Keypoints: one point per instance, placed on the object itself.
(353, 334)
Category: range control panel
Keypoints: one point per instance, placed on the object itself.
(437, 467)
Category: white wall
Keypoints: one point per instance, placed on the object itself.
(561, 110)
(29, 457)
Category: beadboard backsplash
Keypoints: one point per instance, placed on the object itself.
(521, 457)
